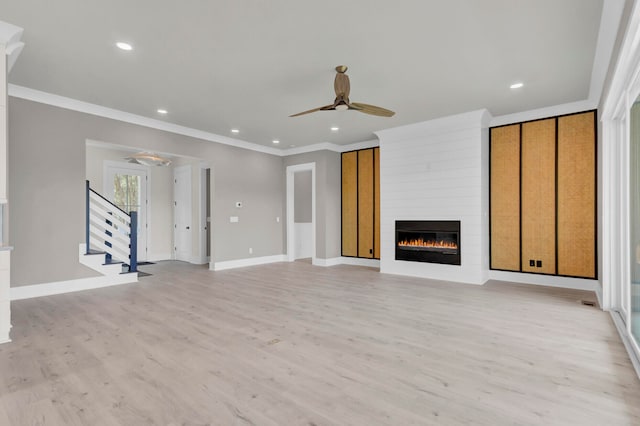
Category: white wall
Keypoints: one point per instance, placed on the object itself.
(437, 170)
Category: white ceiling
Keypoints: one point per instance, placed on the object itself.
(249, 64)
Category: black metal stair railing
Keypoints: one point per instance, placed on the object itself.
(111, 230)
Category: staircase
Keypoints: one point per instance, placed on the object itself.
(111, 237)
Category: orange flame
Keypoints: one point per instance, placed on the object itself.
(427, 243)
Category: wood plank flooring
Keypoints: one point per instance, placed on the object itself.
(294, 344)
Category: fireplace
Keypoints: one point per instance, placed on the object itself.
(432, 241)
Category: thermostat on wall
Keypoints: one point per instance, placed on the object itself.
(238, 204)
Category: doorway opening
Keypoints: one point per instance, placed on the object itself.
(301, 236)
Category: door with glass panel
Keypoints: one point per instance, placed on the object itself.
(126, 186)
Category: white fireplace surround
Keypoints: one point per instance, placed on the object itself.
(438, 170)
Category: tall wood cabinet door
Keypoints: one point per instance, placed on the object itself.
(505, 198)
(365, 203)
(538, 196)
(350, 204)
(577, 195)
(376, 204)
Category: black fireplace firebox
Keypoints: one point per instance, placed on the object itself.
(432, 241)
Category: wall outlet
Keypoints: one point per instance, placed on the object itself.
(532, 262)
(250, 250)
(234, 219)
(278, 219)
(539, 263)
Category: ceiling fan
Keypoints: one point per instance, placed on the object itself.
(341, 86)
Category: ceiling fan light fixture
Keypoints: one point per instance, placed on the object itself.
(148, 159)
(342, 107)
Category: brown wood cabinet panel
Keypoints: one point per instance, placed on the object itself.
(576, 195)
(505, 198)
(376, 207)
(350, 204)
(538, 196)
(365, 203)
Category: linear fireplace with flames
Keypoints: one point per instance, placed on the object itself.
(432, 241)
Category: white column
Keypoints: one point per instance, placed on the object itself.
(10, 48)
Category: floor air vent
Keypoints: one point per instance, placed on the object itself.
(588, 303)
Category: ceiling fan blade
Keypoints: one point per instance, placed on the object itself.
(326, 107)
(373, 110)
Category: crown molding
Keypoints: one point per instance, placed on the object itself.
(609, 27)
(536, 114)
(327, 146)
(114, 114)
(10, 36)
(29, 94)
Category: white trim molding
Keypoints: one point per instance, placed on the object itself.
(29, 94)
(114, 114)
(624, 88)
(539, 113)
(243, 263)
(609, 27)
(355, 261)
(10, 36)
(544, 280)
(61, 287)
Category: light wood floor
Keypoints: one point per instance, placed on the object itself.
(294, 344)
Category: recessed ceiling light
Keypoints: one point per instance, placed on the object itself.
(162, 111)
(335, 129)
(235, 131)
(516, 85)
(124, 46)
(276, 142)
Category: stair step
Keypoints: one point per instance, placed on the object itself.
(94, 252)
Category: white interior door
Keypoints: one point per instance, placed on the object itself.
(182, 213)
(125, 185)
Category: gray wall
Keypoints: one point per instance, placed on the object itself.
(46, 189)
(328, 226)
(302, 197)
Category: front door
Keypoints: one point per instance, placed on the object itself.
(125, 185)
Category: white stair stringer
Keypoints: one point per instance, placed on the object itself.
(96, 262)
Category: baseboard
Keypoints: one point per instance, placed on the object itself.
(599, 296)
(545, 280)
(156, 257)
(5, 335)
(197, 260)
(242, 263)
(356, 261)
(622, 331)
(327, 262)
(61, 287)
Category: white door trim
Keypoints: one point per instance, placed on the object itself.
(291, 238)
